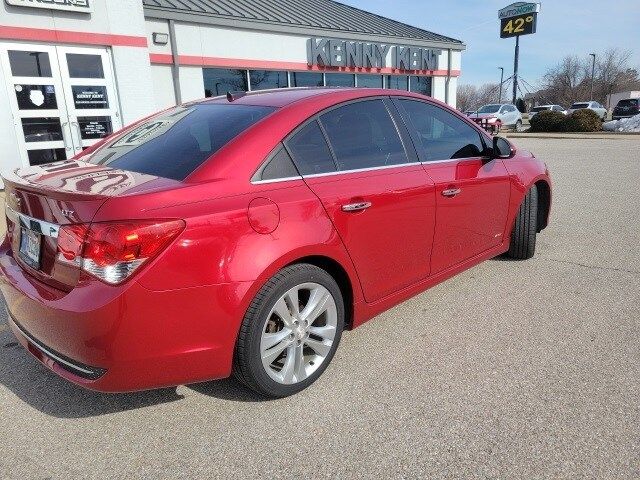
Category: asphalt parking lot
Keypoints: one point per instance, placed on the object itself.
(510, 370)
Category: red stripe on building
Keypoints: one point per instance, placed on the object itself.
(67, 36)
(197, 61)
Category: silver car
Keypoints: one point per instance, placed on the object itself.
(595, 106)
(507, 113)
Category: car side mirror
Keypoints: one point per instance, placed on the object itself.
(502, 148)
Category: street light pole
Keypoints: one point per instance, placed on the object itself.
(501, 82)
(593, 72)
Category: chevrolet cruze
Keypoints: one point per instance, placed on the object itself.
(242, 234)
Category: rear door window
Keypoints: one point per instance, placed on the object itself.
(631, 102)
(363, 135)
(439, 135)
(310, 151)
(174, 143)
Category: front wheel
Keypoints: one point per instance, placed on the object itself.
(518, 126)
(525, 228)
(290, 331)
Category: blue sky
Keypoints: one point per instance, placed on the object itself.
(564, 27)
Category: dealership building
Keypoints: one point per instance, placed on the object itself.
(74, 71)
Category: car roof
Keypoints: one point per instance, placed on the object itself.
(277, 97)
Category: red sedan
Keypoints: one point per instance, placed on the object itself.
(244, 233)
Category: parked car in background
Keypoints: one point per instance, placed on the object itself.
(542, 108)
(506, 114)
(242, 234)
(468, 113)
(594, 106)
(629, 107)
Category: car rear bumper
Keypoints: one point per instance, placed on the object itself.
(618, 117)
(124, 338)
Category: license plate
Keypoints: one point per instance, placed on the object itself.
(30, 247)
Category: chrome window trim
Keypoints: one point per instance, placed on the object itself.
(274, 180)
(42, 227)
(427, 162)
(357, 170)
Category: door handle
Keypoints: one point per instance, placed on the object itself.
(67, 145)
(356, 207)
(451, 192)
(77, 125)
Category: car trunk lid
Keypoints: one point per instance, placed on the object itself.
(40, 199)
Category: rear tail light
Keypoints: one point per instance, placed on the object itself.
(113, 251)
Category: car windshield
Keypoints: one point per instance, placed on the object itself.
(539, 109)
(579, 105)
(489, 109)
(631, 102)
(174, 143)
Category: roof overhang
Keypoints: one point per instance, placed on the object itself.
(267, 26)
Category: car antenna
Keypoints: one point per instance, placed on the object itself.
(231, 96)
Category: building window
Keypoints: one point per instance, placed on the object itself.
(420, 85)
(29, 63)
(306, 79)
(263, 79)
(399, 82)
(219, 81)
(340, 80)
(371, 81)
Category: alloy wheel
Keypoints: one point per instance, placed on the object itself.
(298, 333)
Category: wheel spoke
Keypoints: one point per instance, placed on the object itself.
(316, 305)
(271, 339)
(300, 367)
(288, 369)
(282, 310)
(327, 332)
(293, 302)
(318, 347)
(268, 356)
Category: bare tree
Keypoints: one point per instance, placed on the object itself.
(471, 97)
(466, 98)
(570, 80)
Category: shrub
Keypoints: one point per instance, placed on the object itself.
(548, 121)
(578, 121)
(583, 121)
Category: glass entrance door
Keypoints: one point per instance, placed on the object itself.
(62, 99)
(90, 95)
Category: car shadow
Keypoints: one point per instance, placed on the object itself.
(37, 386)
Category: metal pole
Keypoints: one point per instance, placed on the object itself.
(515, 70)
(593, 73)
(501, 83)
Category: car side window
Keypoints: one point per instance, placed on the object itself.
(279, 166)
(309, 150)
(440, 135)
(503, 109)
(363, 135)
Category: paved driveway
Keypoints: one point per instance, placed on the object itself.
(510, 370)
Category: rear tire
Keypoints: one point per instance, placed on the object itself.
(284, 344)
(523, 235)
(518, 127)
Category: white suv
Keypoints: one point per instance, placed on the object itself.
(595, 106)
(507, 113)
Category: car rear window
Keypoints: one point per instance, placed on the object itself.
(575, 106)
(631, 102)
(174, 143)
